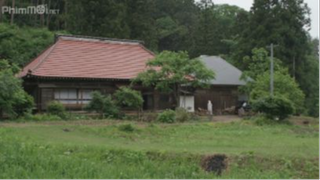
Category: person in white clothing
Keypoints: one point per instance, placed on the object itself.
(209, 107)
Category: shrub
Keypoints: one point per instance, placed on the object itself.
(13, 100)
(40, 117)
(285, 86)
(261, 120)
(126, 128)
(182, 115)
(103, 105)
(167, 116)
(23, 103)
(274, 107)
(126, 97)
(56, 108)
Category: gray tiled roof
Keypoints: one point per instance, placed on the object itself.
(225, 73)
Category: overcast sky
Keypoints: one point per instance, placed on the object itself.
(313, 5)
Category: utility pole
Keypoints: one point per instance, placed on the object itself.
(271, 70)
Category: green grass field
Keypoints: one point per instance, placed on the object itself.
(123, 149)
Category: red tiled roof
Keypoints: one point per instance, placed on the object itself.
(78, 57)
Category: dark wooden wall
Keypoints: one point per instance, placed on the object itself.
(43, 91)
(221, 97)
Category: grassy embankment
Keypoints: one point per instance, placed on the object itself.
(114, 149)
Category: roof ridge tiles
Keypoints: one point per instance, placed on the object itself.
(96, 39)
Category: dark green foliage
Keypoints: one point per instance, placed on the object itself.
(103, 104)
(283, 23)
(278, 22)
(98, 18)
(56, 108)
(259, 84)
(274, 107)
(310, 83)
(126, 127)
(198, 27)
(262, 120)
(21, 45)
(23, 103)
(39, 117)
(176, 69)
(126, 97)
(182, 115)
(167, 116)
(13, 100)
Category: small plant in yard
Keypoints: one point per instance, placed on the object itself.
(278, 108)
(262, 120)
(103, 105)
(126, 127)
(39, 117)
(126, 97)
(182, 115)
(56, 108)
(167, 116)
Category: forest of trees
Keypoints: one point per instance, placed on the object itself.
(197, 27)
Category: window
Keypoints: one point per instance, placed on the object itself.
(66, 96)
(73, 96)
(85, 96)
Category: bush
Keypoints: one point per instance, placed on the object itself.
(182, 115)
(261, 120)
(126, 128)
(103, 105)
(40, 117)
(56, 108)
(23, 103)
(285, 86)
(167, 116)
(274, 107)
(126, 97)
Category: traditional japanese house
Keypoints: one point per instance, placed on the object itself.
(74, 66)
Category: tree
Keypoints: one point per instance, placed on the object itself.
(141, 22)
(310, 78)
(168, 71)
(207, 32)
(98, 18)
(259, 84)
(1, 4)
(176, 23)
(284, 86)
(12, 14)
(257, 64)
(13, 100)
(279, 22)
(21, 45)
